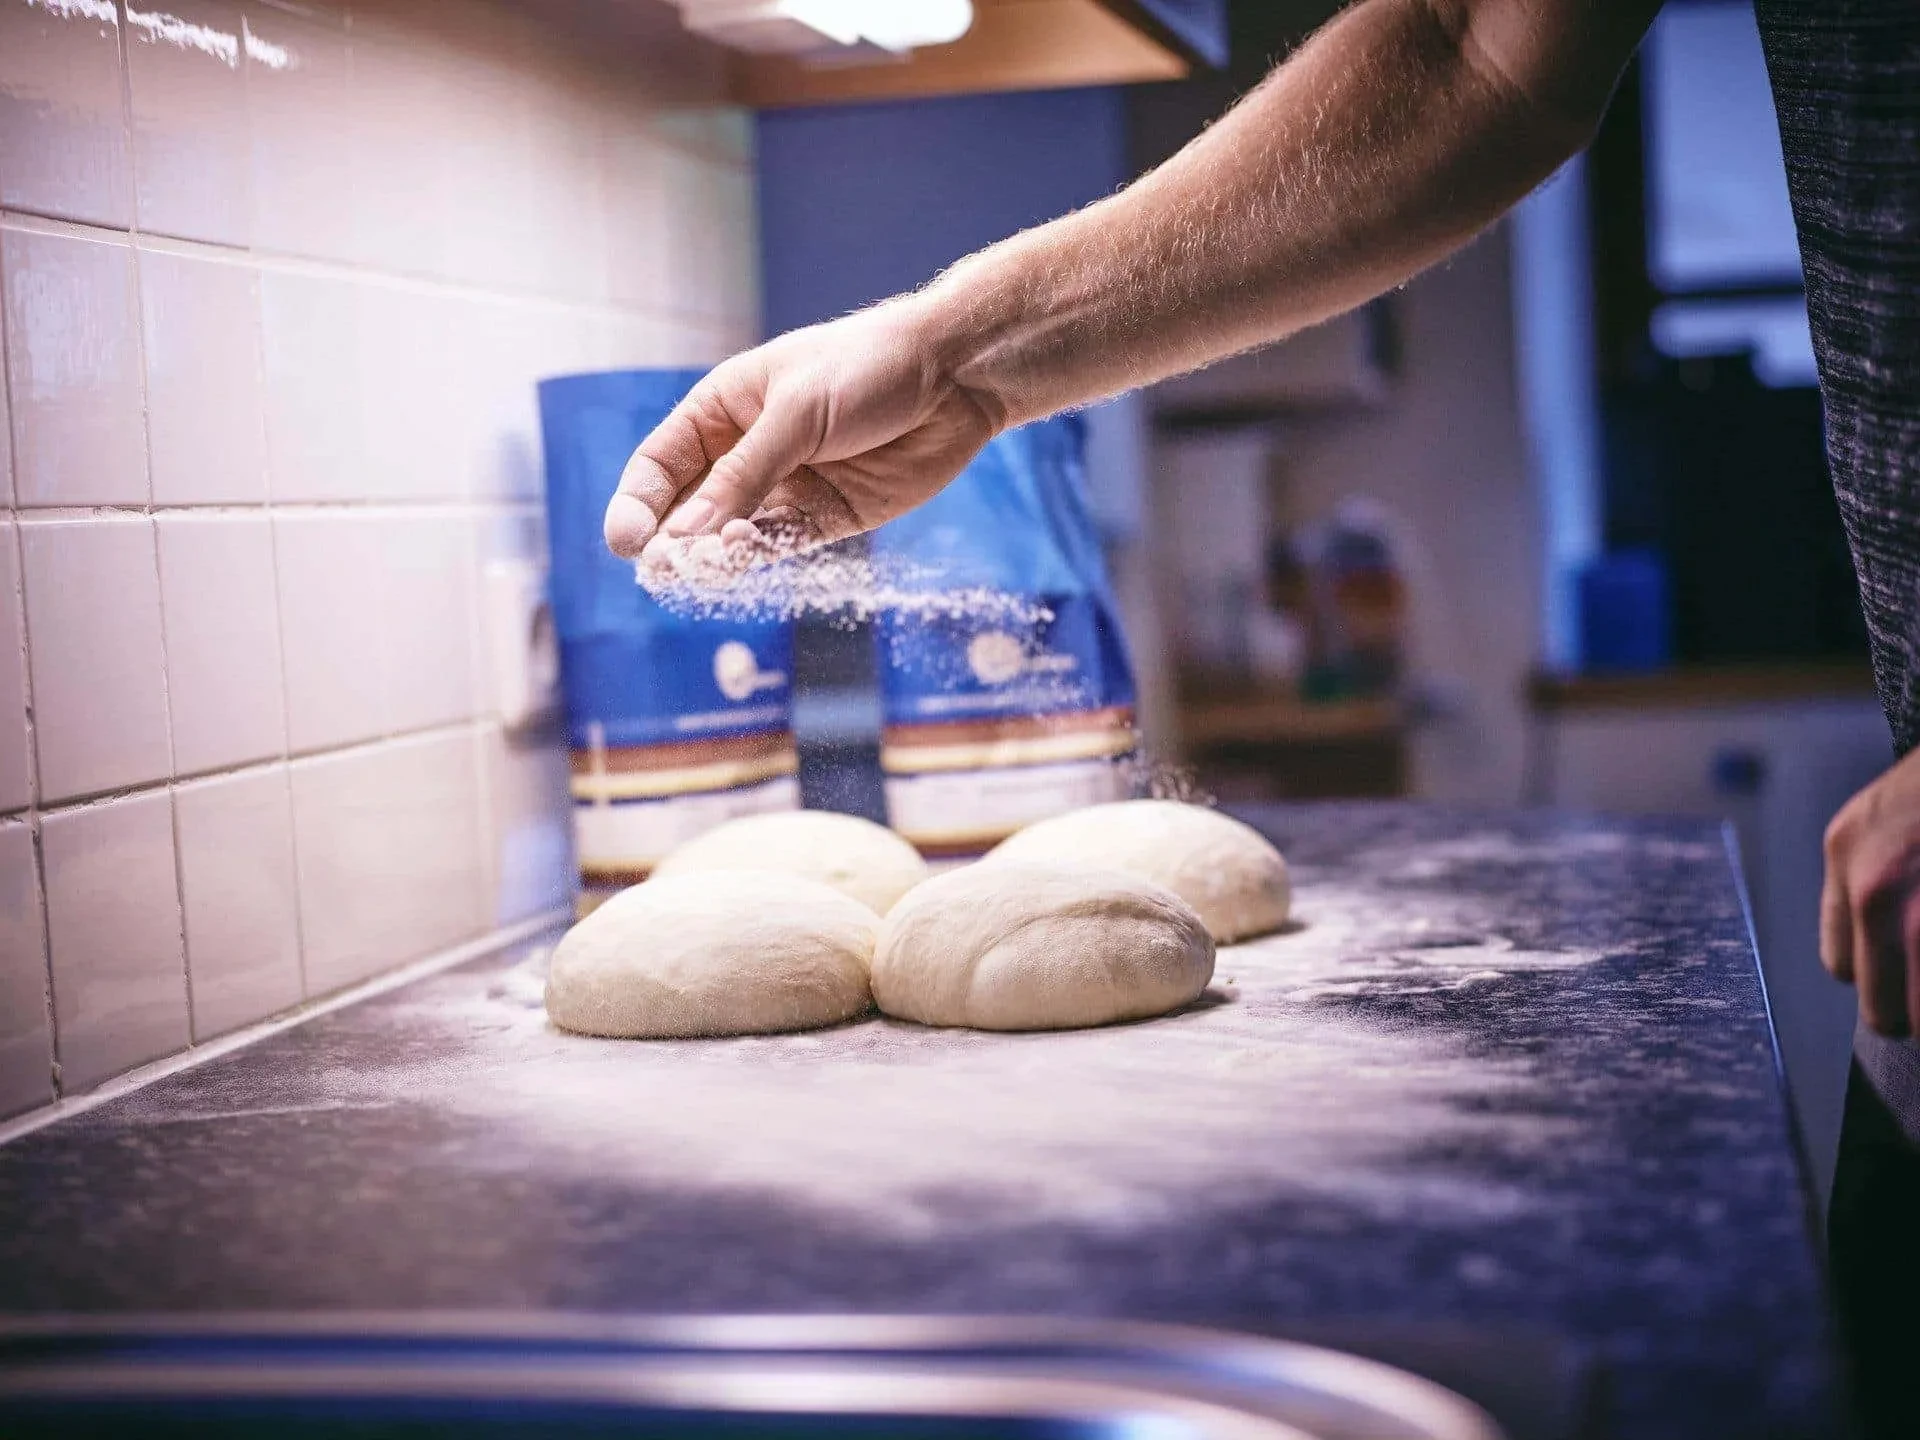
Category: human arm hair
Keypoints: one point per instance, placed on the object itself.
(1394, 134)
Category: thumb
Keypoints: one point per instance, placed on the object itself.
(782, 438)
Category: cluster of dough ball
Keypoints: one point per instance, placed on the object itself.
(801, 919)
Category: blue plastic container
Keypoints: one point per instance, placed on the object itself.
(1625, 616)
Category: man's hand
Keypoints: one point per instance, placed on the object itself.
(1870, 908)
(815, 436)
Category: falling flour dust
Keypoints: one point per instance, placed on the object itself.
(841, 584)
(1267, 1085)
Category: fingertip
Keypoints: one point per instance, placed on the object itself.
(628, 526)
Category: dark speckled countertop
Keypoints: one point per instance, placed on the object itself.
(1509, 1071)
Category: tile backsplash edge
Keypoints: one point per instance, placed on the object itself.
(507, 936)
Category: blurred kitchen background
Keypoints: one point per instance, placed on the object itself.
(1550, 525)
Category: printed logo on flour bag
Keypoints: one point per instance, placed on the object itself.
(989, 727)
(736, 670)
(997, 658)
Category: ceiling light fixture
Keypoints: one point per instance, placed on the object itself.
(815, 26)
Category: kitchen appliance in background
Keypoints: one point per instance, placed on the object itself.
(1213, 486)
(674, 724)
(1012, 698)
(1357, 602)
(1289, 630)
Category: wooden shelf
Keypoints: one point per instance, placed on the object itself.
(1254, 718)
(1012, 45)
(1700, 686)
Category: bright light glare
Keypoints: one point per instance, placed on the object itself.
(905, 24)
(897, 25)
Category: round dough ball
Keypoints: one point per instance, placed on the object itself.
(1224, 869)
(730, 952)
(1038, 947)
(854, 856)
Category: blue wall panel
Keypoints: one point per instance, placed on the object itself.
(858, 202)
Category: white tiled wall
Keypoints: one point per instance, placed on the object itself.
(278, 280)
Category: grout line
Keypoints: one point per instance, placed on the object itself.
(500, 508)
(243, 770)
(7, 411)
(439, 730)
(315, 267)
(180, 910)
(270, 510)
(299, 890)
(34, 801)
(46, 955)
(173, 757)
(144, 1075)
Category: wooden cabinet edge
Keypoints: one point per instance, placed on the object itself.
(1699, 686)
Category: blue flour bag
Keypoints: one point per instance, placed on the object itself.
(1014, 699)
(675, 724)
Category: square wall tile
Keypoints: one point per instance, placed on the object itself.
(530, 867)
(639, 227)
(487, 162)
(429, 622)
(217, 597)
(206, 437)
(713, 238)
(299, 94)
(409, 370)
(377, 623)
(26, 1037)
(390, 864)
(93, 621)
(510, 348)
(113, 917)
(567, 178)
(333, 617)
(486, 403)
(63, 133)
(239, 893)
(73, 368)
(624, 340)
(310, 339)
(402, 96)
(683, 235)
(190, 151)
(16, 753)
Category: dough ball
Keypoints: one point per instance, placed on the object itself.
(854, 856)
(730, 952)
(1224, 869)
(1038, 947)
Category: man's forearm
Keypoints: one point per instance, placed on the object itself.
(1395, 134)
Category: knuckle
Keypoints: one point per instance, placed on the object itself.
(1879, 889)
(728, 477)
(1838, 835)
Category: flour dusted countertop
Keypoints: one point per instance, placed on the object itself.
(1508, 1071)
